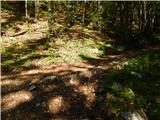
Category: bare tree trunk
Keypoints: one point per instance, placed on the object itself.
(50, 18)
(84, 13)
(26, 9)
(144, 14)
(36, 9)
(126, 23)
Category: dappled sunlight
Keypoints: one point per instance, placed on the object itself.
(12, 100)
(61, 69)
(87, 73)
(74, 82)
(89, 92)
(57, 104)
(8, 85)
(17, 81)
(88, 60)
(11, 83)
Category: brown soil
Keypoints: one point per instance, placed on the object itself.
(73, 95)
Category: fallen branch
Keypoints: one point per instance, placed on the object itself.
(19, 33)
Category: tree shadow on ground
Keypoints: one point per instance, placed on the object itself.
(73, 94)
(15, 57)
(70, 96)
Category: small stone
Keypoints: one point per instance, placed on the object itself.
(136, 116)
(32, 87)
(86, 119)
(132, 116)
(75, 90)
(38, 104)
(49, 79)
(156, 85)
(100, 90)
(126, 115)
(108, 45)
(125, 63)
(12, 38)
(136, 74)
(100, 99)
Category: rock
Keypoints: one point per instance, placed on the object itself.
(32, 87)
(38, 104)
(126, 115)
(149, 104)
(12, 38)
(95, 50)
(132, 116)
(157, 85)
(49, 79)
(86, 119)
(74, 82)
(108, 45)
(136, 74)
(125, 64)
(136, 116)
(101, 90)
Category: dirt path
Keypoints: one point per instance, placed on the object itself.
(59, 92)
(70, 96)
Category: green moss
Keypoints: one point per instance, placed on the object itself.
(127, 94)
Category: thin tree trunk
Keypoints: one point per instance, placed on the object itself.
(84, 13)
(50, 18)
(144, 15)
(26, 9)
(36, 9)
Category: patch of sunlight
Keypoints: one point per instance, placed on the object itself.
(57, 104)
(74, 82)
(89, 92)
(11, 82)
(13, 100)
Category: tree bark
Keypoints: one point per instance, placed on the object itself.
(26, 8)
(126, 23)
(50, 17)
(36, 9)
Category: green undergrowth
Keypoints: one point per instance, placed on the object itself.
(136, 85)
(28, 54)
(65, 51)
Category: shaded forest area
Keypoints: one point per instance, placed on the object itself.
(80, 60)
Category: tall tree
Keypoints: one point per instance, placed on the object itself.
(50, 18)
(36, 9)
(26, 8)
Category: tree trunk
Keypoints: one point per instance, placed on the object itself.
(126, 23)
(84, 13)
(36, 9)
(26, 9)
(144, 15)
(50, 18)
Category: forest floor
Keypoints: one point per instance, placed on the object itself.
(39, 83)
